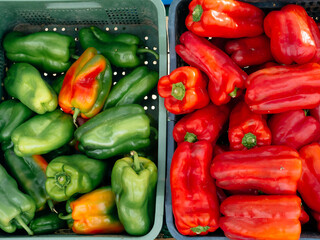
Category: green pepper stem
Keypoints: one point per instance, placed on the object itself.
(67, 217)
(199, 229)
(73, 56)
(306, 111)
(178, 91)
(197, 13)
(62, 179)
(249, 140)
(75, 116)
(143, 50)
(23, 224)
(136, 161)
(51, 206)
(190, 137)
(233, 94)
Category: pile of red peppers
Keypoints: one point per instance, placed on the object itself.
(247, 104)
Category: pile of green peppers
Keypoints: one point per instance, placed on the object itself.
(49, 160)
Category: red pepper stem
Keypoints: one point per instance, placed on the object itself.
(178, 91)
(136, 161)
(75, 116)
(66, 217)
(144, 50)
(197, 13)
(190, 137)
(23, 224)
(199, 229)
(233, 94)
(249, 140)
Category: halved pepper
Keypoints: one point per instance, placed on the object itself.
(17, 209)
(48, 51)
(225, 76)
(224, 18)
(195, 203)
(294, 129)
(24, 82)
(43, 133)
(247, 129)
(134, 183)
(116, 130)
(270, 169)
(261, 217)
(95, 213)
(68, 175)
(184, 90)
(86, 85)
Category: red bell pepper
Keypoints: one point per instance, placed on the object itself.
(270, 169)
(203, 124)
(283, 88)
(294, 129)
(261, 217)
(184, 90)
(250, 51)
(315, 112)
(224, 18)
(195, 204)
(225, 77)
(309, 183)
(316, 216)
(86, 85)
(247, 129)
(294, 35)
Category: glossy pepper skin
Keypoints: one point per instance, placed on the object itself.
(42, 133)
(47, 223)
(184, 90)
(134, 180)
(294, 129)
(24, 82)
(251, 170)
(48, 51)
(295, 37)
(132, 88)
(315, 112)
(12, 114)
(250, 51)
(122, 50)
(30, 174)
(86, 85)
(247, 129)
(224, 18)
(225, 76)
(95, 213)
(17, 208)
(283, 88)
(68, 175)
(203, 124)
(195, 203)
(116, 130)
(261, 217)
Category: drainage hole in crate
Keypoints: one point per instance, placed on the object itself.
(45, 74)
(54, 29)
(146, 38)
(115, 28)
(145, 98)
(155, 48)
(46, 29)
(145, 108)
(63, 29)
(146, 62)
(107, 29)
(154, 97)
(123, 73)
(115, 73)
(76, 39)
(153, 107)
(154, 62)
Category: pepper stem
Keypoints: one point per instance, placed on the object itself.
(136, 161)
(51, 206)
(75, 116)
(190, 137)
(249, 140)
(233, 94)
(178, 91)
(197, 13)
(66, 217)
(199, 229)
(23, 224)
(306, 111)
(143, 50)
(62, 179)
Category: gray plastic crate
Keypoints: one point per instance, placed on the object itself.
(144, 18)
(178, 12)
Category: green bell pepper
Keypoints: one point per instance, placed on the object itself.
(117, 130)
(132, 88)
(47, 223)
(134, 183)
(43, 133)
(48, 51)
(12, 114)
(120, 52)
(24, 82)
(16, 208)
(68, 175)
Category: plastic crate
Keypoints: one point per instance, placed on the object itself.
(178, 12)
(144, 18)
